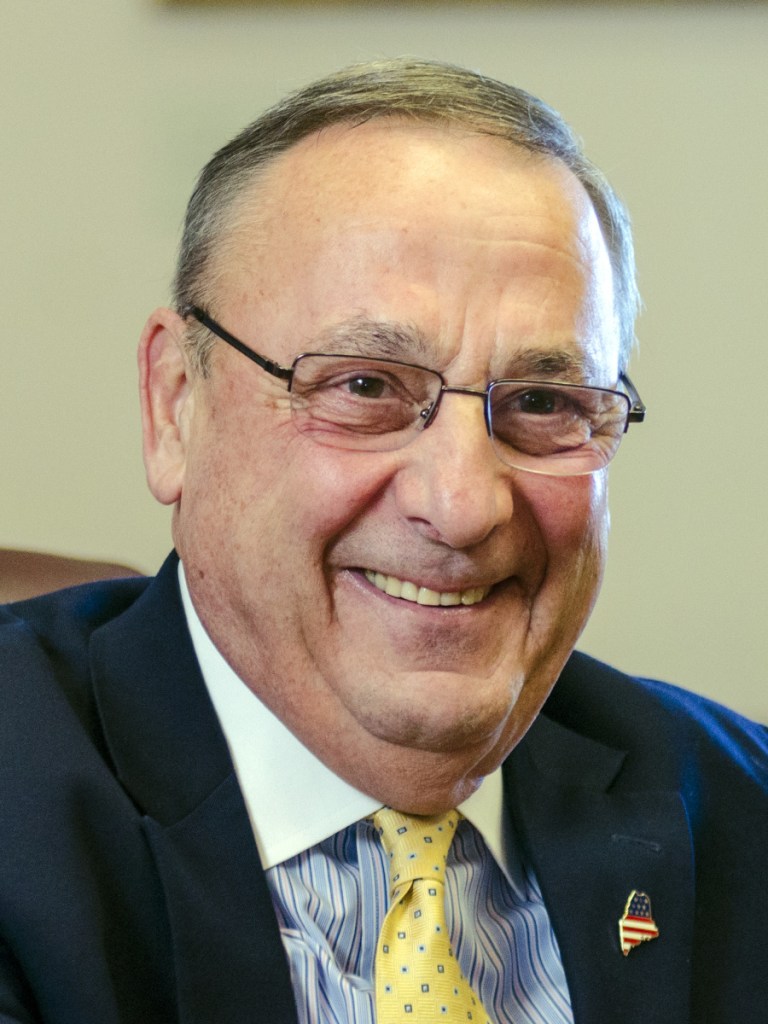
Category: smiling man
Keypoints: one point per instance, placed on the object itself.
(382, 409)
(430, 245)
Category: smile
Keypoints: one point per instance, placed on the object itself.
(407, 591)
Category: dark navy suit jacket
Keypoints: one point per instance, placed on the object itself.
(130, 887)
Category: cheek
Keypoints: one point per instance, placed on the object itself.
(277, 499)
(573, 519)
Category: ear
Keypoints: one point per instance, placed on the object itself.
(167, 401)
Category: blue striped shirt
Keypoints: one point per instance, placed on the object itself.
(331, 901)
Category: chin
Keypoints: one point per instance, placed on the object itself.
(441, 725)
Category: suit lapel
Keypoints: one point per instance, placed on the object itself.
(172, 759)
(230, 963)
(591, 845)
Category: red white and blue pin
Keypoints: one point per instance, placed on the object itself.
(636, 924)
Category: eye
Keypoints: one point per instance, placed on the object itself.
(540, 402)
(366, 387)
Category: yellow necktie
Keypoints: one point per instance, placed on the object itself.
(417, 976)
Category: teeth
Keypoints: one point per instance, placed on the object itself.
(407, 591)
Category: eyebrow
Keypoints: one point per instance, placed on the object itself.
(550, 364)
(377, 338)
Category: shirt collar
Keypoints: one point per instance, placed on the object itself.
(294, 801)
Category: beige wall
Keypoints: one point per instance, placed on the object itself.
(109, 108)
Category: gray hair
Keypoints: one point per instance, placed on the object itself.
(406, 88)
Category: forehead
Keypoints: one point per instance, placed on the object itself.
(455, 233)
(382, 167)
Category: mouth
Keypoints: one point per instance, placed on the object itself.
(407, 591)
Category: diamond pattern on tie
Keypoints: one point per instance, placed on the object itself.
(417, 976)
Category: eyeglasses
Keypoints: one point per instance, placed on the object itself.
(359, 403)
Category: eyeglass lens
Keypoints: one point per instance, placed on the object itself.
(378, 405)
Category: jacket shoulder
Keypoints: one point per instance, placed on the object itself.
(66, 618)
(663, 727)
(44, 646)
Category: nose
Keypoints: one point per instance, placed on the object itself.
(452, 485)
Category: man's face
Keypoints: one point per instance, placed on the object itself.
(489, 263)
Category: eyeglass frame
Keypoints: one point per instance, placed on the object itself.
(635, 413)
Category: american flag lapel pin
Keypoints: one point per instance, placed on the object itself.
(636, 924)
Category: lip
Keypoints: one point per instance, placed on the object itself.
(415, 593)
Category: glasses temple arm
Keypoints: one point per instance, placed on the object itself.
(283, 372)
(637, 407)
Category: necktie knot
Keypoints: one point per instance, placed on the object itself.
(417, 846)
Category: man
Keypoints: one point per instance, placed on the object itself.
(382, 410)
